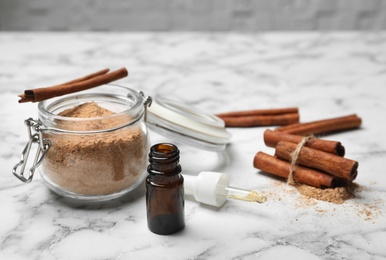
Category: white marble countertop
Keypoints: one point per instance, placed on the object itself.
(324, 75)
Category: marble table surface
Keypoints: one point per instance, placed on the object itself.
(323, 74)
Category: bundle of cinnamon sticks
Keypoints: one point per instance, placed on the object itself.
(89, 81)
(319, 163)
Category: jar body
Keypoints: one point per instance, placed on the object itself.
(97, 158)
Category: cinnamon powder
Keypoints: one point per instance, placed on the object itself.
(334, 195)
(95, 163)
(86, 110)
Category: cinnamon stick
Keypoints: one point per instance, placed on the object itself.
(329, 163)
(264, 117)
(248, 121)
(323, 126)
(271, 138)
(261, 112)
(273, 165)
(92, 75)
(90, 81)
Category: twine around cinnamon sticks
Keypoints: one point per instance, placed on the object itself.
(89, 81)
(315, 162)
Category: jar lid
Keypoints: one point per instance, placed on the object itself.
(187, 125)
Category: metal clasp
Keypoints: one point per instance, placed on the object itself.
(35, 136)
(147, 100)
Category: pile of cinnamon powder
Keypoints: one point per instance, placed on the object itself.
(97, 163)
(334, 195)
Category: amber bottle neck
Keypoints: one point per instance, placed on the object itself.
(164, 160)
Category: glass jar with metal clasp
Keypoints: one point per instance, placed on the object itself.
(102, 158)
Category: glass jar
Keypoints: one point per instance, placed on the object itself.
(93, 157)
(104, 157)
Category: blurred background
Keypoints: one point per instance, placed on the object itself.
(191, 15)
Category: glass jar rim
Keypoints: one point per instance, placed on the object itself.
(129, 99)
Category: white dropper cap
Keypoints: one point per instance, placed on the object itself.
(212, 188)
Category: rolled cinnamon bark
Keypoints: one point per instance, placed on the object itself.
(323, 126)
(271, 138)
(260, 120)
(329, 163)
(273, 165)
(261, 112)
(90, 81)
(90, 76)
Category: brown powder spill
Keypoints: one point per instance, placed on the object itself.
(371, 211)
(367, 208)
(97, 163)
(334, 195)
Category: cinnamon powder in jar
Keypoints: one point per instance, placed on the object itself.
(97, 163)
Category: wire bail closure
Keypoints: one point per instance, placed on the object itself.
(35, 136)
(147, 100)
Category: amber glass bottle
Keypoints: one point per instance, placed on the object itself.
(165, 190)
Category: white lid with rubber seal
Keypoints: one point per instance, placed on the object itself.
(187, 124)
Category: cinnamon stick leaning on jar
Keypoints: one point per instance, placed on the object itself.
(89, 81)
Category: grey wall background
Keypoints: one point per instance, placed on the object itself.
(195, 15)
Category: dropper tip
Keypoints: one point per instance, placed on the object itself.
(252, 196)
